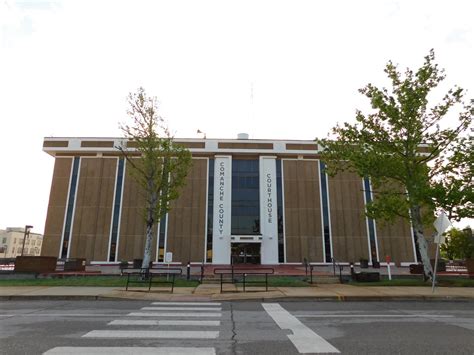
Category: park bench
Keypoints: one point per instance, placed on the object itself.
(151, 276)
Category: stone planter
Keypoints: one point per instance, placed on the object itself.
(39, 264)
(416, 269)
(470, 267)
(367, 276)
(75, 264)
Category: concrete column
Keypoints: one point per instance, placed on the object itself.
(222, 210)
(268, 210)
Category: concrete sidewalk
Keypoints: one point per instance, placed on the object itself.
(209, 292)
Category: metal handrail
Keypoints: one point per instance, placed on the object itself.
(244, 272)
(334, 264)
(202, 273)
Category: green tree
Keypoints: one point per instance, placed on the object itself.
(397, 143)
(453, 185)
(459, 244)
(161, 166)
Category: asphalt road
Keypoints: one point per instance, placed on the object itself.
(136, 327)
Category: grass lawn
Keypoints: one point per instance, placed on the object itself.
(120, 281)
(445, 281)
(281, 281)
(102, 281)
(273, 281)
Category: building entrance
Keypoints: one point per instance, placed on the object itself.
(245, 253)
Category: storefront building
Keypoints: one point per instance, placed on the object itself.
(245, 201)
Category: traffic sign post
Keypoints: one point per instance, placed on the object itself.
(441, 224)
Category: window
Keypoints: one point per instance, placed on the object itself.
(116, 211)
(161, 242)
(325, 204)
(370, 221)
(33, 242)
(4, 240)
(70, 206)
(245, 197)
(281, 246)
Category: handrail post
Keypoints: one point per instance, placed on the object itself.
(202, 272)
(334, 265)
(221, 282)
(244, 282)
(266, 282)
(232, 270)
(311, 273)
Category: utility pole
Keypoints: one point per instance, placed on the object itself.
(27, 233)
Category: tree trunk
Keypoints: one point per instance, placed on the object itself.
(422, 243)
(148, 242)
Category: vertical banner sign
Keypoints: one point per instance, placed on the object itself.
(222, 210)
(268, 210)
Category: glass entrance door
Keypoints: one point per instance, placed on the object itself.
(245, 253)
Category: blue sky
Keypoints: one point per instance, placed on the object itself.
(66, 68)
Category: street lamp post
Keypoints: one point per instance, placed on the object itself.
(27, 233)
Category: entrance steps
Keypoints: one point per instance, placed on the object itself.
(323, 279)
(214, 279)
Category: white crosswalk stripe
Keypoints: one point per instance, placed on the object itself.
(303, 338)
(153, 334)
(130, 351)
(216, 309)
(186, 304)
(201, 323)
(168, 314)
(198, 310)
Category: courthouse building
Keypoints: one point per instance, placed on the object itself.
(245, 201)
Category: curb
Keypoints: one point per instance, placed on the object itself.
(256, 299)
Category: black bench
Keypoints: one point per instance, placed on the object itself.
(152, 276)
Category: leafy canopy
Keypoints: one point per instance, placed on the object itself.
(401, 144)
(459, 244)
(158, 164)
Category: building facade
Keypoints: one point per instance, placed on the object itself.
(245, 201)
(11, 243)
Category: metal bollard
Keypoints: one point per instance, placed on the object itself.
(188, 271)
